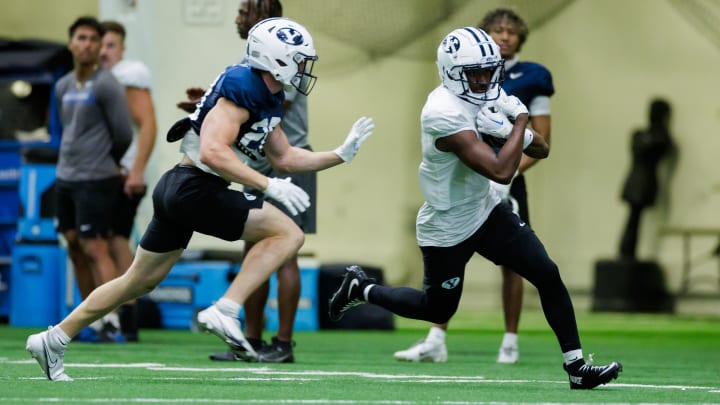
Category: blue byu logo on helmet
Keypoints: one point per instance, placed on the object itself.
(290, 36)
(451, 44)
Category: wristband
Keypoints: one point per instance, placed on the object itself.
(528, 138)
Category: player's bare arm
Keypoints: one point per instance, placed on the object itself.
(219, 131)
(480, 157)
(289, 159)
(143, 114)
(538, 149)
(541, 126)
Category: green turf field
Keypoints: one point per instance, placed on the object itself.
(666, 360)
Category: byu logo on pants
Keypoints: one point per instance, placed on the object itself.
(451, 283)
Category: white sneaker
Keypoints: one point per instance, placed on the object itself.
(51, 362)
(508, 355)
(424, 350)
(211, 320)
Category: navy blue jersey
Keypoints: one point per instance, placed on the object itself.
(527, 80)
(245, 87)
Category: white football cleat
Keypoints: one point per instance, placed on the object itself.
(424, 350)
(51, 362)
(227, 328)
(508, 355)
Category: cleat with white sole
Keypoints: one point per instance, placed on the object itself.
(508, 355)
(424, 351)
(51, 362)
(227, 328)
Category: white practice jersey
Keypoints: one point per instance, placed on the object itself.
(458, 200)
(131, 74)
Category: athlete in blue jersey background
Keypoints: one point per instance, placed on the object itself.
(532, 83)
(238, 117)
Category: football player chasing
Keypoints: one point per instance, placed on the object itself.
(238, 119)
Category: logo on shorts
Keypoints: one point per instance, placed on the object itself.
(250, 197)
(451, 283)
(85, 227)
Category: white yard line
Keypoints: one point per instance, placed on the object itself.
(269, 374)
(281, 401)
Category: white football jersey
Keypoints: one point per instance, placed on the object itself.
(131, 74)
(458, 200)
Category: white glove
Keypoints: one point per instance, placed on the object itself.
(511, 106)
(493, 123)
(285, 192)
(360, 131)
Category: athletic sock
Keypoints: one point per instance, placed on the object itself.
(97, 325)
(509, 340)
(436, 335)
(57, 338)
(112, 319)
(366, 292)
(572, 356)
(228, 307)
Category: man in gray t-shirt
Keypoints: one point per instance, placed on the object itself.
(96, 133)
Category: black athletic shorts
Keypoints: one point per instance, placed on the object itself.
(86, 206)
(124, 213)
(188, 200)
(504, 239)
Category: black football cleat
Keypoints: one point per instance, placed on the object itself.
(586, 377)
(257, 345)
(349, 294)
(277, 352)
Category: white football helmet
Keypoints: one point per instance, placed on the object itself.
(285, 49)
(467, 49)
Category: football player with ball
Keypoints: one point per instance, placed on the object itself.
(532, 83)
(461, 214)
